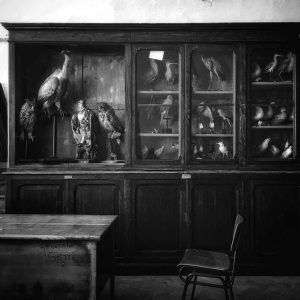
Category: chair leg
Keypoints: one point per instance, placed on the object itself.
(231, 293)
(187, 282)
(194, 287)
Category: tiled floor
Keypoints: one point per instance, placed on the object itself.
(170, 287)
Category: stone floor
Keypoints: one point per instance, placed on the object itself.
(170, 287)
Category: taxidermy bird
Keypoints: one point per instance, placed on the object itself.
(272, 65)
(204, 110)
(224, 116)
(280, 117)
(27, 118)
(112, 125)
(171, 73)
(287, 152)
(258, 114)
(274, 150)
(223, 149)
(151, 75)
(165, 107)
(286, 65)
(158, 152)
(256, 72)
(54, 89)
(269, 112)
(214, 67)
(264, 145)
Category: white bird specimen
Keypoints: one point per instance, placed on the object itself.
(274, 150)
(264, 145)
(280, 117)
(224, 116)
(287, 152)
(256, 72)
(171, 73)
(272, 65)
(158, 152)
(286, 65)
(258, 114)
(223, 149)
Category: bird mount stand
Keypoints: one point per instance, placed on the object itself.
(167, 129)
(54, 141)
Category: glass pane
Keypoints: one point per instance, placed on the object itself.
(272, 104)
(158, 105)
(213, 103)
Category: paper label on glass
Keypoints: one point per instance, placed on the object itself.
(159, 55)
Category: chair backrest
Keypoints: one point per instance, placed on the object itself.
(236, 233)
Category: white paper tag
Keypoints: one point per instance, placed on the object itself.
(186, 176)
(68, 177)
(159, 55)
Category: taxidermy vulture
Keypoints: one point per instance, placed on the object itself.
(27, 118)
(55, 87)
(112, 125)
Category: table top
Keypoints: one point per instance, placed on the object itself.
(54, 227)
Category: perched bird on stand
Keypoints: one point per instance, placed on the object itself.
(204, 110)
(223, 149)
(280, 117)
(270, 68)
(214, 67)
(256, 72)
(27, 118)
(151, 75)
(165, 107)
(258, 114)
(54, 89)
(224, 116)
(264, 145)
(274, 150)
(286, 65)
(158, 152)
(112, 125)
(287, 152)
(171, 73)
(269, 113)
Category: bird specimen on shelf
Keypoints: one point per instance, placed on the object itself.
(195, 83)
(165, 107)
(270, 68)
(274, 150)
(264, 145)
(204, 110)
(158, 152)
(171, 73)
(269, 113)
(223, 149)
(214, 67)
(287, 152)
(291, 116)
(151, 75)
(256, 72)
(286, 65)
(280, 117)
(27, 118)
(224, 116)
(54, 89)
(258, 113)
(112, 125)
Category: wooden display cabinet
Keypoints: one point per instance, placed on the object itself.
(188, 158)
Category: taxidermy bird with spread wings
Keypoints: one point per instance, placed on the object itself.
(112, 125)
(54, 89)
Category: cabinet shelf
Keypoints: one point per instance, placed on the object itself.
(223, 135)
(158, 92)
(155, 105)
(273, 127)
(158, 134)
(272, 83)
(212, 92)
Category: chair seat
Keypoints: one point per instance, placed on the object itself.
(207, 260)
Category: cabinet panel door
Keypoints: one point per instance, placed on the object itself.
(33, 197)
(276, 221)
(213, 210)
(158, 215)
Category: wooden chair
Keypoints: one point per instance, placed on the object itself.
(210, 268)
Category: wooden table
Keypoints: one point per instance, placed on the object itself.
(55, 256)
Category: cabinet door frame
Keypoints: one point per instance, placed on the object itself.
(238, 94)
(181, 52)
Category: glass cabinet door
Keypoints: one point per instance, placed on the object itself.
(158, 104)
(272, 123)
(212, 80)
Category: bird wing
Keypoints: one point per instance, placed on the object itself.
(48, 89)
